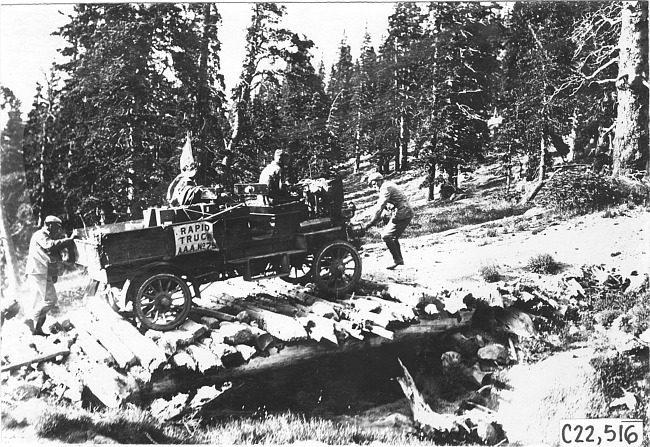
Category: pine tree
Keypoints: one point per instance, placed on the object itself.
(140, 77)
(366, 104)
(535, 94)
(265, 40)
(341, 122)
(399, 84)
(304, 110)
(457, 58)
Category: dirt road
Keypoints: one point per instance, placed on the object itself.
(622, 241)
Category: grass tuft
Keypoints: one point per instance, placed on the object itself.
(543, 264)
(490, 273)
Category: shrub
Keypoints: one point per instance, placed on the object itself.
(543, 264)
(581, 192)
(490, 273)
(619, 371)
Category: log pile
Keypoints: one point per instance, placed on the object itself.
(115, 361)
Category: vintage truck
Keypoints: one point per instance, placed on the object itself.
(159, 263)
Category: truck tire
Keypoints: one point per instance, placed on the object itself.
(337, 268)
(162, 302)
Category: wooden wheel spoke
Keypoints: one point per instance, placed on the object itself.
(163, 301)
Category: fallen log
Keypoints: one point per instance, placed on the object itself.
(37, 359)
(168, 381)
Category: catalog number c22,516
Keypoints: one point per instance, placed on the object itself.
(601, 432)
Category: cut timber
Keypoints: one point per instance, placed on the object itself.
(399, 310)
(171, 341)
(193, 328)
(319, 327)
(409, 295)
(183, 359)
(146, 351)
(92, 348)
(84, 320)
(37, 359)
(204, 358)
(168, 381)
(58, 374)
(109, 386)
(283, 307)
(380, 331)
(363, 304)
(280, 326)
(350, 328)
(212, 313)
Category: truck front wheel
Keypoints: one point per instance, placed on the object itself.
(337, 268)
(163, 302)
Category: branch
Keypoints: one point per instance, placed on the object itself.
(601, 68)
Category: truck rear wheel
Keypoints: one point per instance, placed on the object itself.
(163, 302)
(337, 268)
(301, 270)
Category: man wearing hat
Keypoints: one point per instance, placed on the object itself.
(389, 193)
(274, 176)
(183, 190)
(42, 271)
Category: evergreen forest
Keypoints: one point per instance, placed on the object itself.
(452, 85)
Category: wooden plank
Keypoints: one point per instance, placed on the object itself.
(59, 375)
(38, 359)
(171, 341)
(204, 358)
(350, 328)
(109, 386)
(92, 348)
(193, 328)
(182, 358)
(377, 330)
(83, 319)
(401, 310)
(212, 313)
(147, 352)
(280, 326)
(319, 328)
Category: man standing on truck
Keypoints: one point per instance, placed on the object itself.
(275, 178)
(42, 271)
(183, 190)
(389, 193)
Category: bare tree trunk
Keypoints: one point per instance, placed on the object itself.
(432, 179)
(10, 267)
(396, 152)
(630, 151)
(404, 138)
(542, 173)
(357, 143)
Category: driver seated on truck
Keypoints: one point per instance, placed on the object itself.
(274, 177)
(183, 190)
